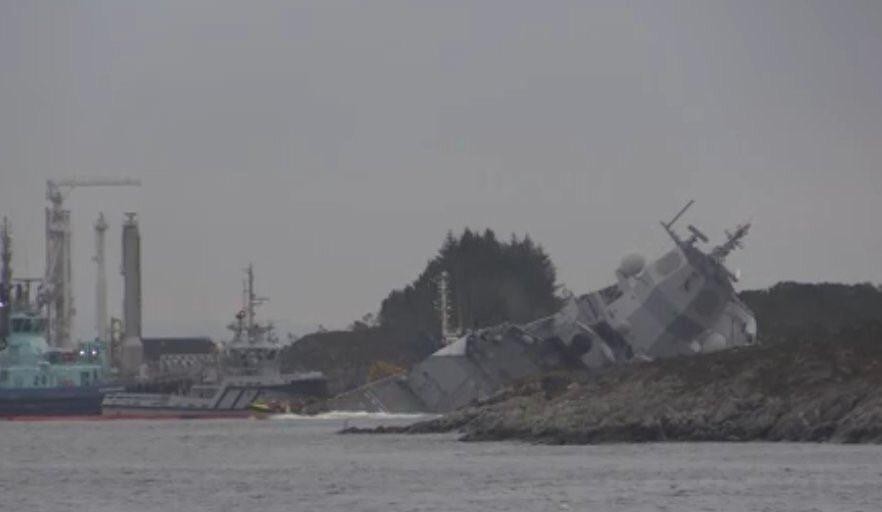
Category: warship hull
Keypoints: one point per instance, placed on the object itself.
(473, 368)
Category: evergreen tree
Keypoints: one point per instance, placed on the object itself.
(490, 282)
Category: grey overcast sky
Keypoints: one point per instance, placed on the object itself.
(334, 144)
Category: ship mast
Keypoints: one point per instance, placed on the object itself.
(5, 282)
(252, 329)
(251, 305)
(444, 309)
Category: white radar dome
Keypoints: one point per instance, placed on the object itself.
(631, 265)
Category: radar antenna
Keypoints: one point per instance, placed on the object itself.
(733, 241)
(696, 235)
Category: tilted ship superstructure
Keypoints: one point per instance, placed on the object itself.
(681, 304)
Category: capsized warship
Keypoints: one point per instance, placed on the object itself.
(681, 304)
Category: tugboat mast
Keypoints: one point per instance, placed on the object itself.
(252, 329)
(5, 283)
(250, 305)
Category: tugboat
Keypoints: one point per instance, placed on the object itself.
(247, 372)
(37, 380)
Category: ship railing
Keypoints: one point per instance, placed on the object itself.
(141, 399)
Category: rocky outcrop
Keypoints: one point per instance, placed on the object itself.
(793, 391)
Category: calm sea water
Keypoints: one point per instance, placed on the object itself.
(301, 464)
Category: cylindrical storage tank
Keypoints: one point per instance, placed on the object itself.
(131, 271)
(132, 349)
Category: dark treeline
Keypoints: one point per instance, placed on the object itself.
(489, 282)
(805, 312)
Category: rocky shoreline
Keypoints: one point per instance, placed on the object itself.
(796, 391)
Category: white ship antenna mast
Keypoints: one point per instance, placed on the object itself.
(252, 302)
(448, 336)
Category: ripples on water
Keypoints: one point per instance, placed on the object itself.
(294, 464)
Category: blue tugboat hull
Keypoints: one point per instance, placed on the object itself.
(66, 401)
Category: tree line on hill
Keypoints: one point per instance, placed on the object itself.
(806, 312)
(490, 282)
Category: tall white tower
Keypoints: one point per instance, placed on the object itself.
(56, 292)
(132, 350)
(102, 331)
(448, 335)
